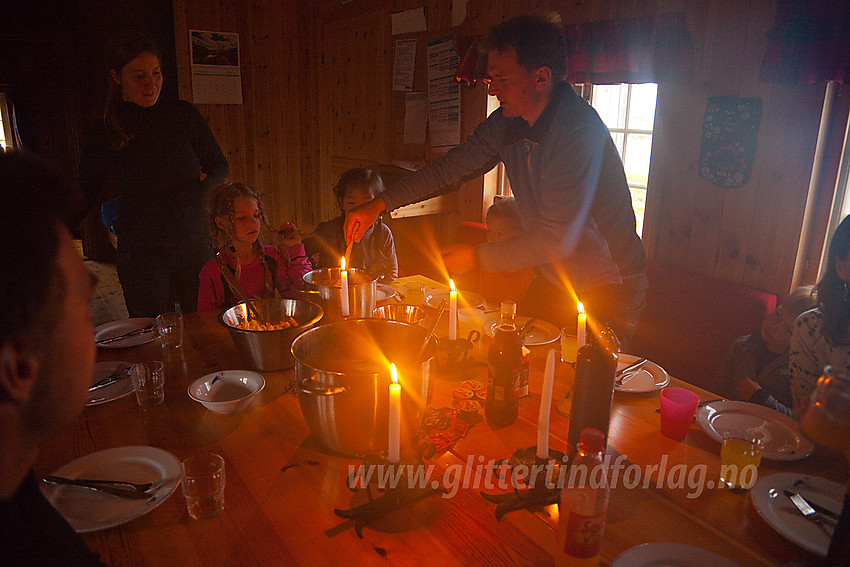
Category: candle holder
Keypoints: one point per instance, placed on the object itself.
(538, 493)
(454, 357)
(394, 497)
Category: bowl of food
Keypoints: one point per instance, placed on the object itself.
(265, 342)
(412, 314)
(228, 391)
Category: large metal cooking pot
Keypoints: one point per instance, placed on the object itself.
(342, 371)
(325, 284)
(270, 350)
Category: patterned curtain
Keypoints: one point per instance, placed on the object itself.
(650, 49)
(809, 43)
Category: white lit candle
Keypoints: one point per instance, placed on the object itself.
(452, 311)
(395, 417)
(582, 326)
(343, 277)
(545, 406)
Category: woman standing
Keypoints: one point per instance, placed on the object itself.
(165, 160)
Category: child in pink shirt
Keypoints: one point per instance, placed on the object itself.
(235, 217)
(503, 222)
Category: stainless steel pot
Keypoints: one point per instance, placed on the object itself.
(270, 350)
(342, 371)
(324, 287)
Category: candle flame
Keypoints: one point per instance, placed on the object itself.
(452, 285)
(342, 263)
(393, 373)
(580, 308)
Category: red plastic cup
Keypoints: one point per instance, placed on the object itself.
(678, 407)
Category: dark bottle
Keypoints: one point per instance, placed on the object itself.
(504, 362)
(593, 389)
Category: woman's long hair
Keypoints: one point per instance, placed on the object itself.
(833, 292)
(121, 50)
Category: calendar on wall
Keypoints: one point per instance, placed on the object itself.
(216, 74)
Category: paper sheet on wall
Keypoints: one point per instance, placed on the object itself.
(443, 95)
(458, 12)
(410, 21)
(403, 64)
(216, 75)
(415, 118)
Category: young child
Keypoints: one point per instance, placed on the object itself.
(503, 222)
(755, 369)
(376, 250)
(235, 217)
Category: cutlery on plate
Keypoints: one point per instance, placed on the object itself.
(810, 513)
(526, 328)
(829, 514)
(133, 333)
(120, 489)
(633, 366)
(119, 373)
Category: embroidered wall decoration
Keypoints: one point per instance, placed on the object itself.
(729, 140)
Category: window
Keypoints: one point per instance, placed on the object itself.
(629, 112)
(5, 123)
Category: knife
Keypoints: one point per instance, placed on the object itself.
(113, 490)
(133, 333)
(816, 507)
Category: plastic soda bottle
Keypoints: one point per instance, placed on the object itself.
(584, 501)
(504, 361)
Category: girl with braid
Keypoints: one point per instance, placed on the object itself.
(235, 217)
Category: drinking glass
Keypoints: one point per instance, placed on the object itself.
(740, 456)
(569, 346)
(170, 329)
(202, 479)
(148, 382)
(678, 407)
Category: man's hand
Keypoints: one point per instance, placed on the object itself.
(459, 258)
(288, 235)
(359, 219)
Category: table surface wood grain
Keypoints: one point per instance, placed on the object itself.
(283, 487)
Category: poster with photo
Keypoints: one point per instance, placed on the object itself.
(216, 75)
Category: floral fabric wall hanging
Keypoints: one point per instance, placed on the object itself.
(729, 140)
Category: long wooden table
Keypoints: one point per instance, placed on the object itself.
(283, 487)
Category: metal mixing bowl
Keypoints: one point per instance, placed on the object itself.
(412, 314)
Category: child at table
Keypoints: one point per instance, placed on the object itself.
(755, 369)
(235, 217)
(376, 250)
(503, 222)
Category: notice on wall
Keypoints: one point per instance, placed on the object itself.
(443, 95)
(415, 117)
(409, 21)
(403, 64)
(216, 76)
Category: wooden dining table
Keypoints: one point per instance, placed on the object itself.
(283, 486)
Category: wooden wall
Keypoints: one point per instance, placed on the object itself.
(316, 84)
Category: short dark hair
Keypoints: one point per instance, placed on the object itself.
(505, 208)
(356, 177)
(33, 196)
(537, 39)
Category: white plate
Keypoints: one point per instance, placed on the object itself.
(538, 333)
(116, 328)
(648, 378)
(666, 554)
(88, 510)
(113, 391)
(434, 297)
(778, 511)
(782, 437)
(385, 292)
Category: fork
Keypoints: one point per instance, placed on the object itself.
(117, 374)
(806, 510)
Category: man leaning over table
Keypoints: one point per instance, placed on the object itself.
(46, 357)
(566, 175)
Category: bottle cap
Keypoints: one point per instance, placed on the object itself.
(508, 308)
(592, 440)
